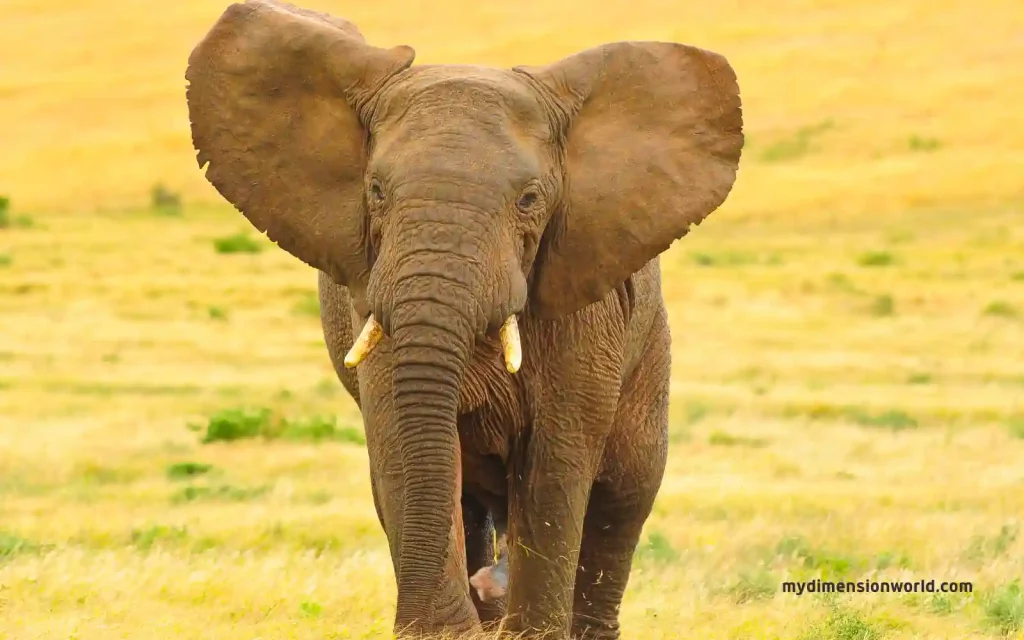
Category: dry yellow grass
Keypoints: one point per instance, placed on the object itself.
(849, 335)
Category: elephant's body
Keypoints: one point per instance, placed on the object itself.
(495, 233)
(512, 428)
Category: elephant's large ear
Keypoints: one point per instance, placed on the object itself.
(653, 146)
(274, 97)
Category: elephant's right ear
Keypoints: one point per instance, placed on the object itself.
(652, 148)
(274, 97)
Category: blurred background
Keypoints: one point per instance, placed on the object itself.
(178, 459)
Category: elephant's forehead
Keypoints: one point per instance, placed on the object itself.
(460, 120)
(463, 96)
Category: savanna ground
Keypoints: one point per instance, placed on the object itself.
(178, 460)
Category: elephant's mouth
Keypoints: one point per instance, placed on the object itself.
(511, 346)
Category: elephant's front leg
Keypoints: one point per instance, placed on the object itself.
(621, 500)
(550, 487)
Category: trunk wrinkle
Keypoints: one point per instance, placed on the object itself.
(432, 344)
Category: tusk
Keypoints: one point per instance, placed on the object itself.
(511, 347)
(368, 338)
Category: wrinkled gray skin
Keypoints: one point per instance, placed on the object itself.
(442, 199)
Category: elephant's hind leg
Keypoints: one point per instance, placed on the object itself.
(623, 496)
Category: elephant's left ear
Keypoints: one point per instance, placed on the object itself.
(653, 147)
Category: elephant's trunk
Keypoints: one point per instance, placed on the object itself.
(432, 340)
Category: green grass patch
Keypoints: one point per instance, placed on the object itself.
(310, 609)
(240, 242)
(876, 259)
(1016, 426)
(684, 413)
(1004, 609)
(892, 419)
(237, 424)
(164, 201)
(217, 313)
(919, 378)
(841, 283)
(796, 146)
(826, 563)
(882, 306)
(694, 411)
(185, 470)
(147, 538)
(924, 144)
(1007, 535)
(220, 493)
(723, 439)
(12, 545)
(1001, 309)
(728, 259)
(888, 559)
(308, 305)
(843, 624)
(657, 549)
(320, 429)
(940, 604)
(7, 221)
(260, 422)
(754, 585)
(982, 547)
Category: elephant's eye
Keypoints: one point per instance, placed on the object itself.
(527, 200)
(376, 191)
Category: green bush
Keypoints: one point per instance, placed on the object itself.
(182, 470)
(251, 422)
(876, 259)
(240, 242)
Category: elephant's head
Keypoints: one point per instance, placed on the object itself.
(450, 198)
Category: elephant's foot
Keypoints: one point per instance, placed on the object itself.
(467, 628)
(452, 615)
(595, 630)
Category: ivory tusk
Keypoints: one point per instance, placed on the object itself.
(368, 338)
(511, 347)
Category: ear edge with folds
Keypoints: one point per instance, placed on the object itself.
(284, 142)
(607, 229)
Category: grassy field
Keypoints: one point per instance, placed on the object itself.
(848, 397)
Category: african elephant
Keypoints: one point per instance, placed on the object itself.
(495, 235)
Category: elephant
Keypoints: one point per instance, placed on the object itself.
(487, 245)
